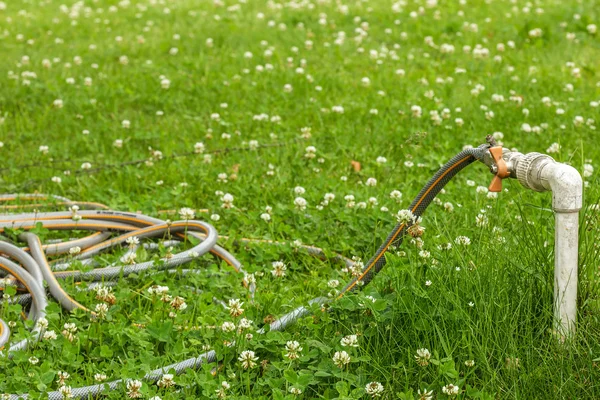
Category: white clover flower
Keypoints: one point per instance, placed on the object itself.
(333, 283)
(416, 111)
(293, 349)
(295, 391)
(158, 290)
(249, 279)
(405, 217)
(235, 307)
(396, 195)
(199, 148)
(245, 323)
(554, 148)
(425, 395)
(50, 335)
(100, 377)
(279, 269)
(101, 310)
(247, 359)
(462, 240)
(133, 389)
(186, 213)
(228, 326)
(129, 258)
(371, 182)
(41, 323)
(374, 389)
(450, 389)
(62, 377)
(448, 206)
(422, 357)
(299, 190)
(536, 33)
(66, 392)
(341, 359)
(166, 381)
(371, 298)
(74, 250)
(227, 200)
(349, 341)
(132, 241)
(481, 220)
(178, 303)
(300, 203)
(424, 254)
(265, 217)
(310, 152)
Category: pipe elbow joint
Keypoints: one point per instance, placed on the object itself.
(540, 172)
(567, 188)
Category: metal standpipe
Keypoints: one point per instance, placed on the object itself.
(540, 172)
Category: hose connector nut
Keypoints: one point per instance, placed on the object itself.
(527, 169)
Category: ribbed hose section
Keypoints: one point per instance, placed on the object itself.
(417, 207)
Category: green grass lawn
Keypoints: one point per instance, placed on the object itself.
(161, 104)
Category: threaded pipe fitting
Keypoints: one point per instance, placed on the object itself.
(525, 170)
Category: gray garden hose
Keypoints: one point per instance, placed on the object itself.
(39, 298)
(143, 226)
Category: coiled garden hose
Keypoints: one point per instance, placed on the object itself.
(36, 269)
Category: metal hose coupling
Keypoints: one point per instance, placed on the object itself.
(538, 172)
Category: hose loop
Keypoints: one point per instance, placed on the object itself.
(104, 223)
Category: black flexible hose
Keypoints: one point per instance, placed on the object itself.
(417, 207)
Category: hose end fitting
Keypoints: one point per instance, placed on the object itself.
(528, 169)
